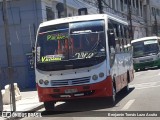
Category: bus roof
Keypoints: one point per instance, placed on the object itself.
(145, 38)
(81, 18)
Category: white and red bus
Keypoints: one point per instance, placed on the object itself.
(82, 57)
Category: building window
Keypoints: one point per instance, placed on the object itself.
(137, 4)
(49, 13)
(127, 2)
(153, 11)
(109, 3)
(157, 12)
(133, 3)
(70, 15)
(121, 2)
(141, 7)
(113, 4)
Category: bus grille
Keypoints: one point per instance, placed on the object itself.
(70, 82)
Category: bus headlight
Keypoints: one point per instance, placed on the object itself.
(46, 82)
(95, 77)
(41, 81)
(101, 74)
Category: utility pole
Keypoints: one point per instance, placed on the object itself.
(130, 18)
(9, 55)
(65, 8)
(100, 6)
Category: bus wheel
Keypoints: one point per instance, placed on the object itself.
(126, 88)
(142, 69)
(49, 106)
(113, 97)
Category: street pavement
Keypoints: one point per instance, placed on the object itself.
(29, 102)
(143, 96)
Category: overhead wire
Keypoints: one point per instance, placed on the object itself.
(116, 11)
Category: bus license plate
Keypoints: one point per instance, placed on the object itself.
(71, 91)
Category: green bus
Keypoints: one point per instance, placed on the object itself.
(146, 52)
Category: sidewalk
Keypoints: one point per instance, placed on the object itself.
(29, 102)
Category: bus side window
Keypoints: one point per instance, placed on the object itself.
(122, 31)
(117, 46)
(111, 40)
(125, 32)
(112, 45)
(119, 31)
(120, 44)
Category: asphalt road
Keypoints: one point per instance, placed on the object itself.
(144, 95)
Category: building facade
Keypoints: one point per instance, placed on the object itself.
(25, 16)
(120, 8)
(153, 19)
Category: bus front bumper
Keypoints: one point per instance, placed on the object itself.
(101, 89)
(146, 64)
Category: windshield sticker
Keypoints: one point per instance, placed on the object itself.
(84, 55)
(50, 58)
(150, 42)
(84, 31)
(57, 37)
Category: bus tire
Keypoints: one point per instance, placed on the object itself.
(113, 97)
(142, 69)
(126, 88)
(49, 106)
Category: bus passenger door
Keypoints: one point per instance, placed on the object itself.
(113, 58)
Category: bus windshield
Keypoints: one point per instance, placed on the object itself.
(145, 48)
(67, 44)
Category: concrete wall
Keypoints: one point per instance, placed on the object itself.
(24, 18)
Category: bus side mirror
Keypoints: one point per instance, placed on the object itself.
(33, 51)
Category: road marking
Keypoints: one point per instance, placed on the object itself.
(128, 104)
(148, 87)
(145, 85)
(138, 74)
(158, 74)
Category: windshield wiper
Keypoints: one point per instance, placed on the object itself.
(93, 50)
